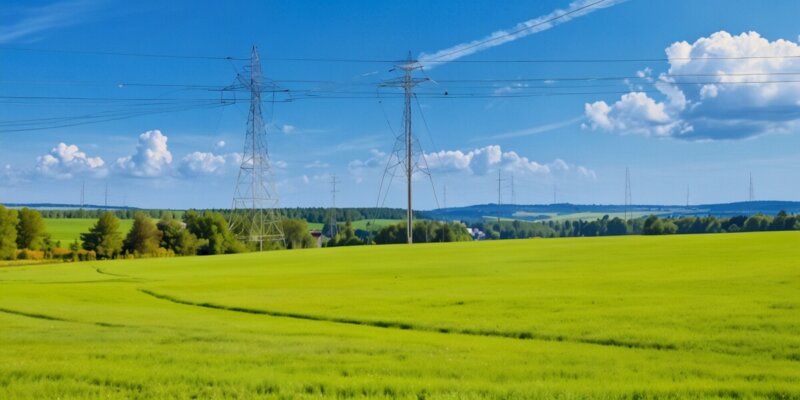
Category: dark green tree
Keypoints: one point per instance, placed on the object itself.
(295, 231)
(144, 238)
(213, 228)
(31, 230)
(346, 237)
(104, 237)
(616, 227)
(175, 237)
(8, 233)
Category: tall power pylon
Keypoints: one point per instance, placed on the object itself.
(253, 216)
(687, 196)
(513, 191)
(555, 191)
(333, 229)
(628, 197)
(407, 82)
(500, 181)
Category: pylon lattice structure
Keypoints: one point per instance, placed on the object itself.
(334, 226)
(407, 149)
(628, 197)
(254, 218)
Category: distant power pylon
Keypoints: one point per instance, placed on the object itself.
(687, 196)
(628, 197)
(253, 216)
(500, 181)
(83, 194)
(407, 83)
(752, 197)
(554, 192)
(333, 229)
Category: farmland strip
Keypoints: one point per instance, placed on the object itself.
(420, 328)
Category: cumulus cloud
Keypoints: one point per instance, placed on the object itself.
(487, 159)
(207, 163)
(198, 163)
(358, 168)
(376, 159)
(220, 144)
(711, 91)
(65, 161)
(152, 157)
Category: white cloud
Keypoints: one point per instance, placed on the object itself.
(317, 164)
(36, 20)
(376, 159)
(575, 9)
(711, 92)
(65, 161)
(152, 157)
(10, 175)
(280, 164)
(487, 159)
(358, 168)
(220, 144)
(288, 129)
(509, 89)
(198, 163)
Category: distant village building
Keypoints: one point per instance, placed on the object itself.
(476, 234)
(318, 237)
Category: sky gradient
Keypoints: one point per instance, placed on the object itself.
(687, 94)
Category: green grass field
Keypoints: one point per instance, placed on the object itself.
(365, 224)
(693, 316)
(67, 230)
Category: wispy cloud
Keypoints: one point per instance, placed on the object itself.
(36, 20)
(531, 131)
(575, 9)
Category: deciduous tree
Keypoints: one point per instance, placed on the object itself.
(104, 237)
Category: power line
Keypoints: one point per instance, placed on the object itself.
(124, 54)
(393, 61)
(550, 82)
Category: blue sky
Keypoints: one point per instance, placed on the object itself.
(678, 121)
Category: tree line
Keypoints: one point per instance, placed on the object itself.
(309, 214)
(23, 235)
(423, 231)
(651, 225)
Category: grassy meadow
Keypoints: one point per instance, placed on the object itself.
(685, 316)
(68, 230)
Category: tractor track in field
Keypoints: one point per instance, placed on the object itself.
(412, 327)
(58, 319)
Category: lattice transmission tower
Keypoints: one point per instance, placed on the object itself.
(254, 217)
(628, 197)
(404, 153)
